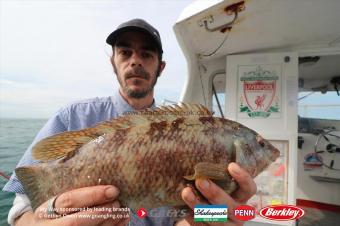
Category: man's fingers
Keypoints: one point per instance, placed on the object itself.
(75, 200)
(92, 217)
(119, 217)
(247, 187)
(189, 198)
(115, 222)
(213, 193)
(119, 222)
(124, 222)
(82, 197)
(191, 222)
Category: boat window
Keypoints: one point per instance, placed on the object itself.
(319, 87)
(218, 95)
(319, 106)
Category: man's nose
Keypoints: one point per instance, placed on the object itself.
(136, 59)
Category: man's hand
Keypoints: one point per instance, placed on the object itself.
(215, 195)
(96, 196)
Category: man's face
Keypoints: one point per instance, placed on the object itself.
(136, 64)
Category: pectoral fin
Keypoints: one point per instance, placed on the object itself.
(209, 170)
(59, 145)
(67, 143)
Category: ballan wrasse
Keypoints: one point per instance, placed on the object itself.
(150, 155)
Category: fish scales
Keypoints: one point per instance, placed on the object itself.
(160, 157)
(155, 157)
(150, 156)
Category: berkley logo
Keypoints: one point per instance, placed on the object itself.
(282, 212)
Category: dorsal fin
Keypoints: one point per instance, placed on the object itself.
(63, 144)
(186, 110)
(181, 109)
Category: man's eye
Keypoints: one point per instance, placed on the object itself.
(124, 52)
(147, 55)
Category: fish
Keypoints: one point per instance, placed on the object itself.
(149, 155)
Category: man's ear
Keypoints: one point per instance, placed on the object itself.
(112, 56)
(162, 66)
(113, 65)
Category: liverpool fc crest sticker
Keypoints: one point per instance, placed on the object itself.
(259, 91)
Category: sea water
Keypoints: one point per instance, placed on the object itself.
(15, 136)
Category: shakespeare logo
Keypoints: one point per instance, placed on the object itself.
(259, 91)
(210, 213)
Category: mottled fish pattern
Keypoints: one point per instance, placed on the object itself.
(150, 155)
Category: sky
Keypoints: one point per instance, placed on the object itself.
(318, 105)
(54, 52)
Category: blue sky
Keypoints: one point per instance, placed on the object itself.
(54, 52)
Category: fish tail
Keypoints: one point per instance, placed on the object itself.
(35, 184)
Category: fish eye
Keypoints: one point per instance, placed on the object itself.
(260, 141)
(262, 144)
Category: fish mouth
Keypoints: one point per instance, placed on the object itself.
(274, 152)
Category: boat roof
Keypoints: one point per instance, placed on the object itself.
(308, 27)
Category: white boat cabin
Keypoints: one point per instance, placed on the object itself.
(274, 66)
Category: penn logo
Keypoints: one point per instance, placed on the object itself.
(282, 212)
(244, 212)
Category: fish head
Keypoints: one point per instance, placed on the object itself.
(253, 152)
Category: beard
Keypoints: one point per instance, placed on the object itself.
(141, 73)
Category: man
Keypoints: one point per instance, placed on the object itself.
(137, 62)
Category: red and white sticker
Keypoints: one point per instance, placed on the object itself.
(142, 213)
(282, 212)
(244, 212)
